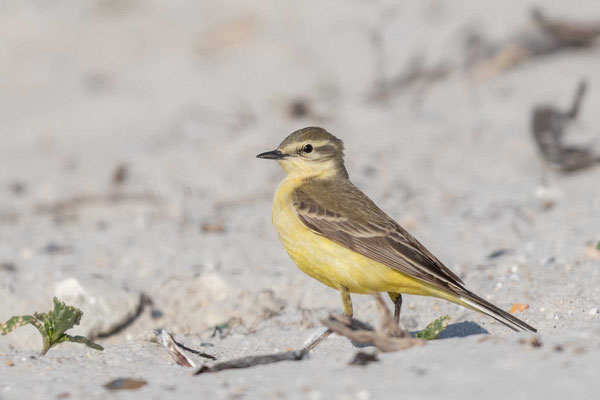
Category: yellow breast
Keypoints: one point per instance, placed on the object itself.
(331, 263)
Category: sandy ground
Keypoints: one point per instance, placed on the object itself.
(185, 94)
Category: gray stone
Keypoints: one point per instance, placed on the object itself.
(107, 306)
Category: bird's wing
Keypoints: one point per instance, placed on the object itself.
(342, 213)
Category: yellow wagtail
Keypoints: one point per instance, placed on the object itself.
(337, 235)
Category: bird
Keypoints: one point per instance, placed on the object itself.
(337, 235)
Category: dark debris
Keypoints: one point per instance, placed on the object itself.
(299, 108)
(533, 341)
(499, 253)
(362, 358)
(8, 266)
(120, 174)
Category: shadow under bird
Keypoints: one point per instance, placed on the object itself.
(337, 235)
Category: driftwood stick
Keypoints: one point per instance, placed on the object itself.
(251, 361)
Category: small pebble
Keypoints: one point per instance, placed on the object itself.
(125, 384)
(548, 261)
(558, 348)
(593, 311)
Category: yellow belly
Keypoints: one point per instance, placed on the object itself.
(335, 265)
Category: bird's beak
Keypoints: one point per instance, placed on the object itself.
(271, 155)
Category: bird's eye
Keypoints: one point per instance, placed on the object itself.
(307, 148)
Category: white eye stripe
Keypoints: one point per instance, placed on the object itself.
(299, 147)
(318, 143)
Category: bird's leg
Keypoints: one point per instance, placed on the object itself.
(348, 311)
(346, 302)
(397, 299)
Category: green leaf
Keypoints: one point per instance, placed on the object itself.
(15, 322)
(433, 330)
(63, 318)
(52, 326)
(82, 340)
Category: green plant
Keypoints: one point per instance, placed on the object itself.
(433, 330)
(52, 326)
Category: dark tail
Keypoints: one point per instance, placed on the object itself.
(477, 303)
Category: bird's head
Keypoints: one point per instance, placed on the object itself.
(310, 153)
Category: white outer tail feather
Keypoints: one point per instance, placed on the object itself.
(498, 317)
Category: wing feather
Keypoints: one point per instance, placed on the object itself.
(342, 213)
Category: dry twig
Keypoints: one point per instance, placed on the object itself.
(548, 127)
(165, 339)
(73, 203)
(174, 348)
(550, 35)
(566, 33)
(247, 362)
(389, 337)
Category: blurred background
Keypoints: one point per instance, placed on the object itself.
(129, 129)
